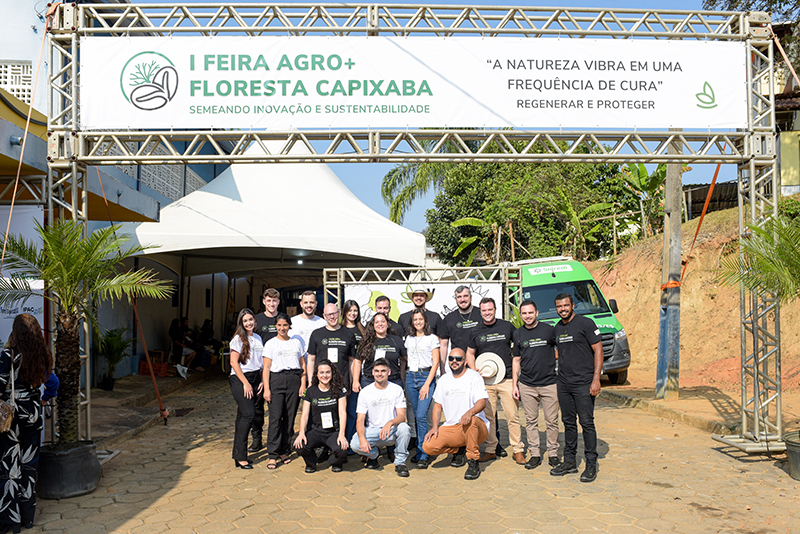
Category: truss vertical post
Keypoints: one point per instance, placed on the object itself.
(762, 418)
(66, 187)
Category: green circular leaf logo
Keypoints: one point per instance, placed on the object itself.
(149, 80)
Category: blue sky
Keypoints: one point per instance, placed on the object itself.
(364, 179)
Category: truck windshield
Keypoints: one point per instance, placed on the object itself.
(586, 294)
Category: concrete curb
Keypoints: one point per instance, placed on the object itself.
(665, 412)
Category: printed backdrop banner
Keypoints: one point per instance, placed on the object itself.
(442, 302)
(280, 83)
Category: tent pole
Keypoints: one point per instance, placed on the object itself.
(181, 287)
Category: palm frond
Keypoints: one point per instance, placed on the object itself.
(771, 260)
(466, 242)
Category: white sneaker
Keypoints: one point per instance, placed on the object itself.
(182, 370)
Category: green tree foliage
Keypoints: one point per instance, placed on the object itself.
(526, 195)
(77, 272)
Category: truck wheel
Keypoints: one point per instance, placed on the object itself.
(618, 378)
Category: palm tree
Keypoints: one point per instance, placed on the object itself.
(77, 272)
(771, 259)
(407, 182)
(578, 236)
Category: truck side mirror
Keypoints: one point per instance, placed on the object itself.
(613, 304)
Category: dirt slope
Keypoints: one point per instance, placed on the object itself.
(710, 339)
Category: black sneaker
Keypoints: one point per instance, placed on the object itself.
(310, 469)
(373, 464)
(564, 469)
(336, 468)
(459, 458)
(554, 461)
(533, 462)
(473, 470)
(500, 451)
(590, 473)
(423, 464)
(255, 446)
(401, 470)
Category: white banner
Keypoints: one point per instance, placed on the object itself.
(278, 83)
(442, 302)
(22, 226)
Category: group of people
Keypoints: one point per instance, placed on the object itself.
(372, 385)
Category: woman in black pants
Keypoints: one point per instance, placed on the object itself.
(246, 385)
(325, 408)
(284, 382)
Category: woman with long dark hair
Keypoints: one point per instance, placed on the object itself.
(24, 366)
(379, 343)
(245, 378)
(351, 319)
(284, 382)
(323, 420)
(423, 362)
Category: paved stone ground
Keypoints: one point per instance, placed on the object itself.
(655, 475)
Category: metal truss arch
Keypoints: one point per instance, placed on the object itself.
(71, 149)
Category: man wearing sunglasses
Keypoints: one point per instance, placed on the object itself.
(462, 397)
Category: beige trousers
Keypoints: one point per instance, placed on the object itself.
(532, 398)
(504, 392)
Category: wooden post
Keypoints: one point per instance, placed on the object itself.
(614, 223)
(669, 332)
(511, 235)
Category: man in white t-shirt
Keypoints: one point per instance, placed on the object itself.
(306, 322)
(382, 420)
(462, 396)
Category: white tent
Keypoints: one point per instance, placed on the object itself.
(271, 216)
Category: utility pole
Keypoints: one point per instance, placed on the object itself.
(669, 325)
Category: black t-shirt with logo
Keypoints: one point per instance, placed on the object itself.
(433, 319)
(535, 348)
(574, 342)
(494, 338)
(323, 402)
(265, 327)
(458, 327)
(356, 333)
(396, 328)
(338, 346)
(393, 350)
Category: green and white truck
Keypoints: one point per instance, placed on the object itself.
(543, 279)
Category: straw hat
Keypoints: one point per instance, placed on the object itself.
(491, 367)
(428, 293)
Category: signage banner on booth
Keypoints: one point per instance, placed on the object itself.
(442, 301)
(280, 83)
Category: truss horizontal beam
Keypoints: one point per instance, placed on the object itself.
(400, 20)
(136, 148)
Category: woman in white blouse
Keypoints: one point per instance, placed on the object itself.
(284, 377)
(245, 379)
(423, 361)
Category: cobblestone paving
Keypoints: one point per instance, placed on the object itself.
(654, 476)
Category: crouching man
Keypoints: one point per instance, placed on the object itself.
(381, 420)
(462, 396)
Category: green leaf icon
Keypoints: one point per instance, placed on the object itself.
(706, 98)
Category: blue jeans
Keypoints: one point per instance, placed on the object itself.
(398, 436)
(414, 382)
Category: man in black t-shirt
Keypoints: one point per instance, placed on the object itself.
(494, 335)
(580, 361)
(265, 328)
(419, 297)
(534, 380)
(338, 345)
(265, 321)
(457, 326)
